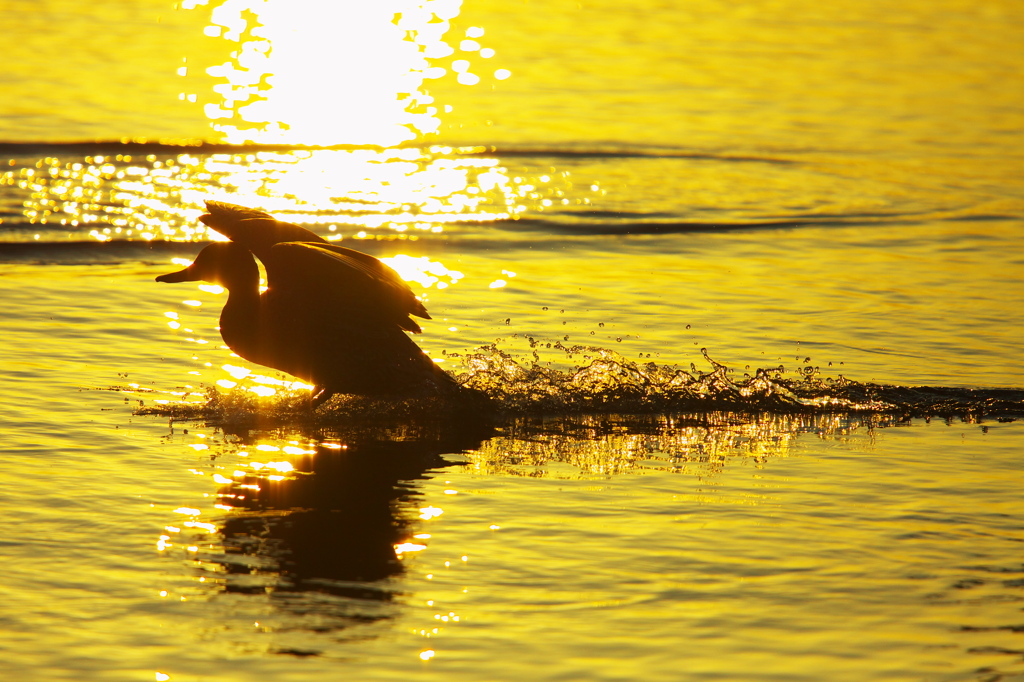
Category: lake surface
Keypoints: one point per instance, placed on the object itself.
(744, 281)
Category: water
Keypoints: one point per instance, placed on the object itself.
(643, 190)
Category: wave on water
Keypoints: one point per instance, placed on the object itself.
(599, 381)
(150, 191)
(82, 252)
(145, 147)
(624, 223)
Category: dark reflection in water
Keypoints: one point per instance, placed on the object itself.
(323, 540)
(316, 529)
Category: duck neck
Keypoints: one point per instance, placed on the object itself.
(240, 318)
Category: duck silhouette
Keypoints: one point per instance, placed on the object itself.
(334, 317)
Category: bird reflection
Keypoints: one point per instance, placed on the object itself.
(331, 529)
(332, 316)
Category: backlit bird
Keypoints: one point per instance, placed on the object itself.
(332, 316)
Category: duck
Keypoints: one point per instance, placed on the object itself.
(331, 316)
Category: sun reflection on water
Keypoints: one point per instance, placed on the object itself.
(401, 193)
(337, 73)
(599, 446)
(331, 101)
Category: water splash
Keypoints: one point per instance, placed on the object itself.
(596, 379)
(503, 385)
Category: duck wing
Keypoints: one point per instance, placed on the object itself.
(345, 282)
(346, 354)
(254, 229)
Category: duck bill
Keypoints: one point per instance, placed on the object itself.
(179, 276)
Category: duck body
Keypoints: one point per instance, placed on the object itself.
(331, 316)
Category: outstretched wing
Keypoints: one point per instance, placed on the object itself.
(254, 229)
(343, 282)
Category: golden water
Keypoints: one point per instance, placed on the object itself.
(780, 183)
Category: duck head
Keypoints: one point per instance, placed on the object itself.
(226, 263)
